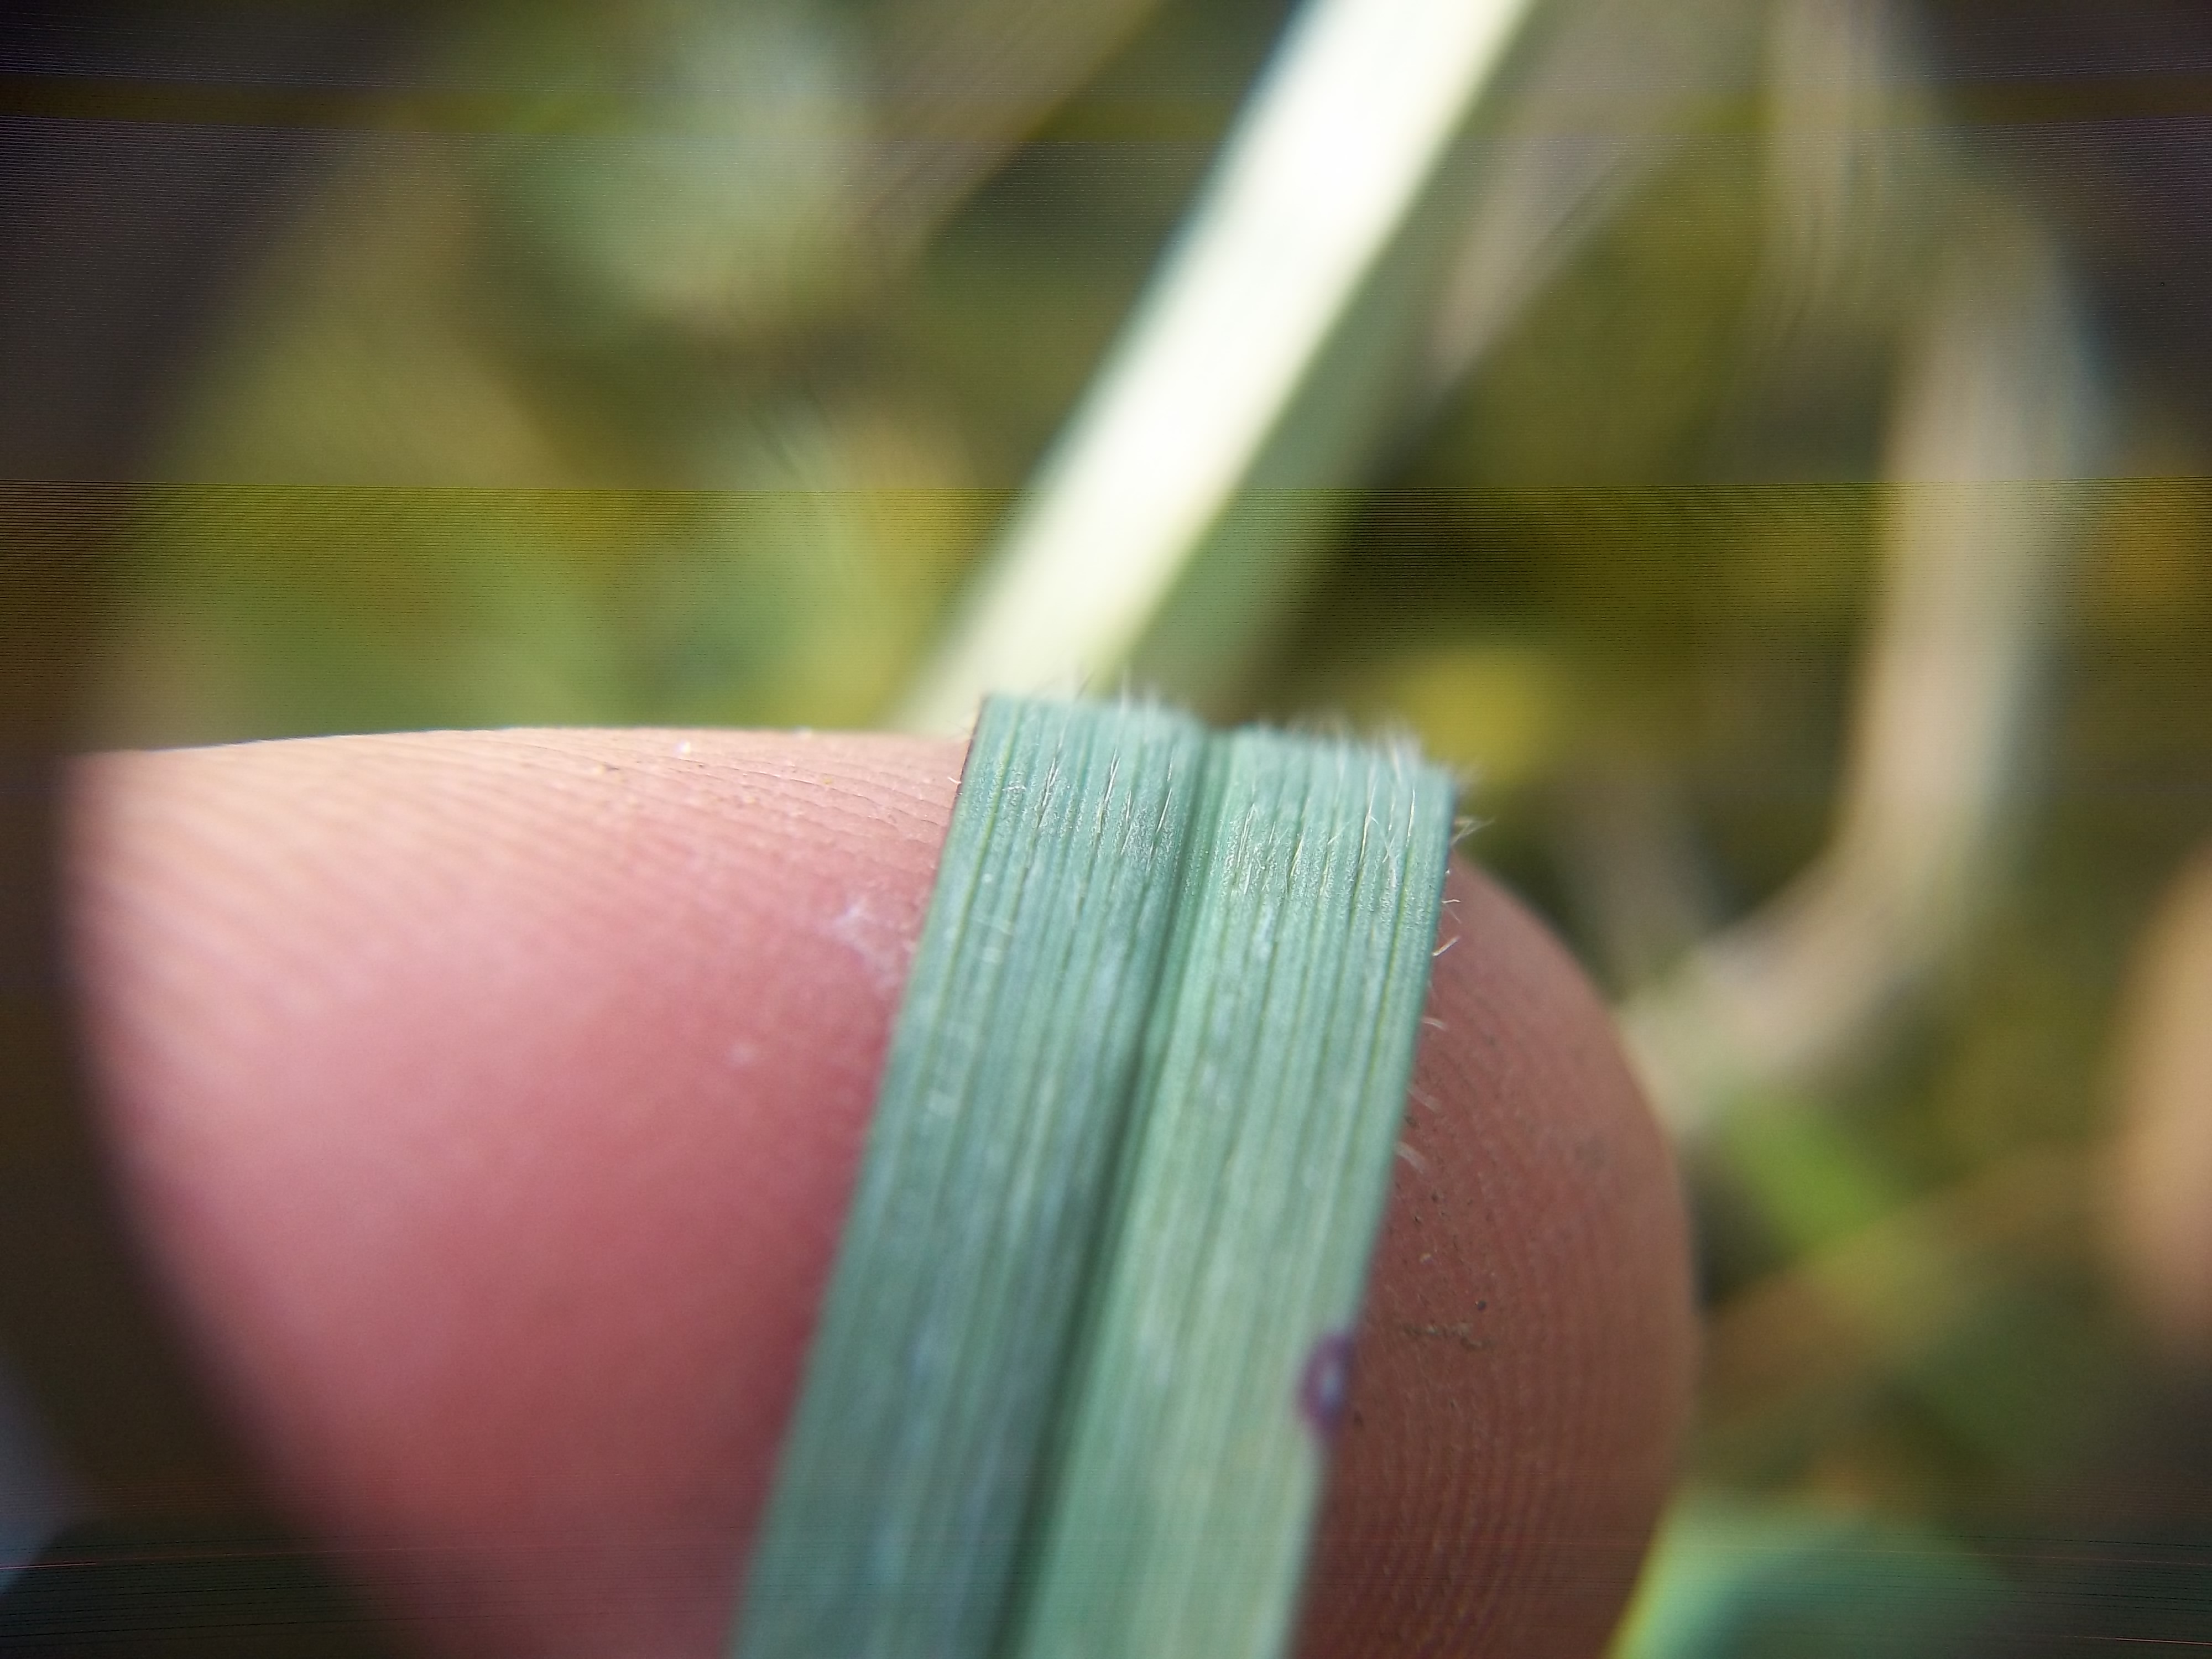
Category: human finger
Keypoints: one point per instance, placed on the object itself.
(493, 1100)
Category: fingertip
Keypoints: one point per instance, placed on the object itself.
(493, 1100)
(428, 1053)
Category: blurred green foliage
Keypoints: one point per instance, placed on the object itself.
(1739, 1583)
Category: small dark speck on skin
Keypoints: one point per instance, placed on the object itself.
(1463, 1334)
(1324, 1385)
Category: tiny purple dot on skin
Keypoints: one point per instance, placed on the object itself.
(1324, 1385)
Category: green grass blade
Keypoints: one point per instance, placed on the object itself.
(1074, 1374)
(1322, 177)
(907, 1470)
(1190, 1463)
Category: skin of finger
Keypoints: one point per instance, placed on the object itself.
(492, 1102)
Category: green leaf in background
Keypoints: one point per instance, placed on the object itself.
(1734, 1581)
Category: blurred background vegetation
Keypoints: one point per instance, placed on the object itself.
(1814, 584)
